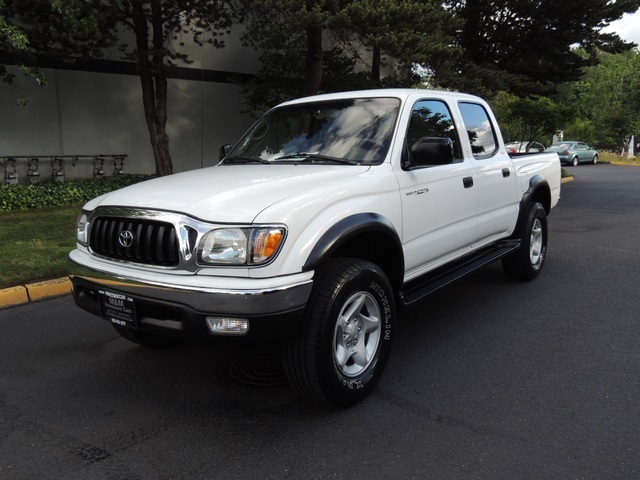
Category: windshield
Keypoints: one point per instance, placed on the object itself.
(353, 131)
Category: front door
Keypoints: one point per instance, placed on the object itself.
(439, 202)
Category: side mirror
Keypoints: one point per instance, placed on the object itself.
(428, 151)
(224, 151)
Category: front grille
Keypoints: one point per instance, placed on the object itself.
(147, 241)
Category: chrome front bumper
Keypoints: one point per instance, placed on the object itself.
(180, 310)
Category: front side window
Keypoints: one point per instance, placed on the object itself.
(353, 131)
(432, 119)
(480, 130)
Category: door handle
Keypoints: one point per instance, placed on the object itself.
(506, 172)
(467, 182)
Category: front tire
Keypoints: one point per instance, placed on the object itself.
(526, 262)
(345, 340)
(594, 161)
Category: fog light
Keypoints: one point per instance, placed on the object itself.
(227, 326)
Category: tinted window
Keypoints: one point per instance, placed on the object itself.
(431, 118)
(480, 130)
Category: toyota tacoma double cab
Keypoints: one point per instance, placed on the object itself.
(313, 229)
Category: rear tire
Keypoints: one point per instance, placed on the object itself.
(574, 161)
(145, 338)
(526, 262)
(345, 339)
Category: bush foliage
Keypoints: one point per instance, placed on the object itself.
(23, 197)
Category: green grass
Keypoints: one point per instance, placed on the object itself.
(34, 244)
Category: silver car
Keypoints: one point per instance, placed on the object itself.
(522, 147)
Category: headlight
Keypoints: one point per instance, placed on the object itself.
(241, 246)
(225, 247)
(81, 229)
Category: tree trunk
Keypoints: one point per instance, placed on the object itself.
(153, 80)
(376, 63)
(313, 77)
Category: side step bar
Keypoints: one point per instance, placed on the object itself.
(418, 289)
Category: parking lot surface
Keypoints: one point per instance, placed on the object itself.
(488, 379)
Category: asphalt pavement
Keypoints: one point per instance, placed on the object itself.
(488, 379)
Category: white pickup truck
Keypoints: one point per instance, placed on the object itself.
(328, 213)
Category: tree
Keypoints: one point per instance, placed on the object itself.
(528, 119)
(322, 45)
(608, 96)
(295, 27)
(86, 28)
(11, 37)
(390, 27)
(13, 40)
(155, 24)
(525, 47)
(283, 71)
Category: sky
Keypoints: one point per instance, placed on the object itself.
(628, 27)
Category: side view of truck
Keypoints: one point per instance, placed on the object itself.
(324, 218)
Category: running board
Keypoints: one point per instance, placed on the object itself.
(418, 289)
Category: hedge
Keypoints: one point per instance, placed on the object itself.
(76, 192)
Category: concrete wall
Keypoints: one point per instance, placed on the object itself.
(89, 113)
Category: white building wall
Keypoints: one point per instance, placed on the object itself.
(90, 113)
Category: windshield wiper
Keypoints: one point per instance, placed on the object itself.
(240, 159)
(316, 158)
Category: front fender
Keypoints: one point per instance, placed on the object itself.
(369, 236)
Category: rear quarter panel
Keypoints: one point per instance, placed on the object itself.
(545, 165)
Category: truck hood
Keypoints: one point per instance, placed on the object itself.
(226, 194)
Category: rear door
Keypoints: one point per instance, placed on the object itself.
(583, 152)
(495, 175)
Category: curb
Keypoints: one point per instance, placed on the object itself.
(34, 292)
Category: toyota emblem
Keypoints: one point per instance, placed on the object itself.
(126, 238)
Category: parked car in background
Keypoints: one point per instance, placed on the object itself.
(572, 152)
(523, 147)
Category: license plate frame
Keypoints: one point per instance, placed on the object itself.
(118, 308)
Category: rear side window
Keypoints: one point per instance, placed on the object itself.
(482, 135)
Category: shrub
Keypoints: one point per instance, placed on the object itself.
(23, 197)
